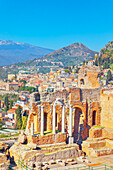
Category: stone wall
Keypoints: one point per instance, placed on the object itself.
(107, 110)
(47, 139)
(92, 95)
(88, 77)
(64, 154)
(51, 97)
(3, 162)
(28, 156)
(74, 94)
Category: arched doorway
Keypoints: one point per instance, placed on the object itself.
(77, 123)
(81, 81)
(58, 115)
(45, 121)
(94, 118)
(57, 122)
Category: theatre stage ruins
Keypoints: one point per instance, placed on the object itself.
(70, 119)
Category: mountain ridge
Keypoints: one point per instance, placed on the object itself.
(76, 53)
(14, 52)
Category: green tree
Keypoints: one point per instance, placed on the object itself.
(18, 118)
(6, 103)
(67, 71)
(112, 67)
(6, 107)
(6, 100)
(105, 65)
(11, 104)
(96, 62)
(83, 62)
(1, 124)
(77, 69)
(15, 76)
(109, 75)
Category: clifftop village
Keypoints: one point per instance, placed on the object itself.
(23, 85)
(63, 118)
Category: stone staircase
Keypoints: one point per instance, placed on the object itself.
(96, 144)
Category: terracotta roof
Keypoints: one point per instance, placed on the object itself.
(4, 117)
(11, 111)
(18, 105)
(71, 78)
(90, 61)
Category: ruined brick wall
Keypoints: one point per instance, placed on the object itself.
(63, 95)
(88, 77)
(92, 79)
(107, 109)
(87, 100)
(81, 95)
(47, 139)
(92, 95)
(75, 94)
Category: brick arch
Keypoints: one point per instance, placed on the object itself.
(80, 107)
(78, 121)
(82, 82)
(82, 116)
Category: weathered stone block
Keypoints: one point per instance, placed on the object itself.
(22, 138)
(32, 146)
(95, 132)
(107, 133)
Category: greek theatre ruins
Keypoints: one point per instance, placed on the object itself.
(67, 115)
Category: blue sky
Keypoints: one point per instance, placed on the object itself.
(57, 23)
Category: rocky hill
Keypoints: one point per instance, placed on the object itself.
(108, 49)
(105, 57)
(12, 52)
(71, 55)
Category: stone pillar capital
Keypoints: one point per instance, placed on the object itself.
(42, 107)
(54, 105)
(71, 105)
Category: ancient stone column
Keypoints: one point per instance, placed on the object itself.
(54, 118)
(63, 119)
(42, 120)
(70, 121)
(32, 128)
(71, 139)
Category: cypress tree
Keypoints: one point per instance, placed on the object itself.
(109, 75)
(18, 118)
(11, 104)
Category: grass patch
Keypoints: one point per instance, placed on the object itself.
(4, 135)
(97, 126)
(8, 135)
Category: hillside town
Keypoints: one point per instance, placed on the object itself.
(23, 85)
(66, 107)
(56, 85)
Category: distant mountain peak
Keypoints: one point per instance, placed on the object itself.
(13, 52)
(72, 54)
(8, 42)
